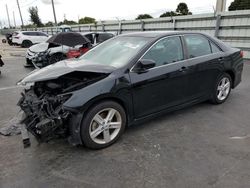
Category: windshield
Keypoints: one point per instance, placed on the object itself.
(115, 52)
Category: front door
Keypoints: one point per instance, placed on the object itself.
(164, 85)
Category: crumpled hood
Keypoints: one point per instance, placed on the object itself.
(41, 47)
(63, 67)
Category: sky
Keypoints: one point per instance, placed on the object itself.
(98, 9)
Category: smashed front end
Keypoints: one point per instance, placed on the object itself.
(43, 104)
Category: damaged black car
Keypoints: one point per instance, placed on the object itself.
(126, 80)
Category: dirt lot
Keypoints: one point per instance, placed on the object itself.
(202, 146)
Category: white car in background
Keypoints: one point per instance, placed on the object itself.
(27, 38)
(49, 53)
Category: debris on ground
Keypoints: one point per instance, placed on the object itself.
(12, 126)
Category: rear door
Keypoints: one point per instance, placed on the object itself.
(204, 64)
(41, 37)
(164, 85)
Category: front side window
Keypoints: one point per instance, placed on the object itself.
(197, 45)
(168, 50)
(103, 36)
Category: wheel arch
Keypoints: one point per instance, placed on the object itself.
(103, 98)
(232, 75)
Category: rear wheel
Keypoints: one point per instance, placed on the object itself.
(26, 44)
(103, 125)
(222, 89)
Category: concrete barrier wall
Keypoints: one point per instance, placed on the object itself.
(231, 27)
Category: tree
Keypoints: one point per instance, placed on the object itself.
(182, 9)
(67, 22)
(239, 5)
(86, 20)
(34, 17)
(48, 24)
(168, 14)
(143, 16)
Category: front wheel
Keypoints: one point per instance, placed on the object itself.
(103, 124)
(56, 57)
(222, 89)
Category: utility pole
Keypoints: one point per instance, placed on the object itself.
(221, 5)
(8, 15)
(20, 13)
(54, 12)
(14, 19)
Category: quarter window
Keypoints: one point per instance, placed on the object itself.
(197, 45)
(166, 51)
(214, 48)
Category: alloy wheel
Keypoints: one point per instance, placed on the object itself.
(105, 126)
(223, 88)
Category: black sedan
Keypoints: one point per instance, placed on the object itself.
(127, 80)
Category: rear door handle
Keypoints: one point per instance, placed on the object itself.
(183, 69)
(220, 58)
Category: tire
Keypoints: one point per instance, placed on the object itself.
(56, 57)
(222, 89)
(26, 44)
(93, 133)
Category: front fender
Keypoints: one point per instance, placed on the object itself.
(82, 96)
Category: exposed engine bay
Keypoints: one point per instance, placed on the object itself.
(45, 116)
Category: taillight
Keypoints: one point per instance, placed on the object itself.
(16, 37)
(76, 53)
(241, 54)
(73, 53)
(84, 50)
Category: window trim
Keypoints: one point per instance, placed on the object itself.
(183, 52)
(210, 43)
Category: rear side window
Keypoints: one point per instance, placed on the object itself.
(25, 33)
(30, 33)
(41, 34)
(166, 51)
(197, 45)
(90, 37)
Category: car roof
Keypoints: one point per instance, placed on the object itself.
(98, 32)
(30, 31)
(158, 34)
(155, 35)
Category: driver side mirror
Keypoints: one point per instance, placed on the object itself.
(143, 65)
